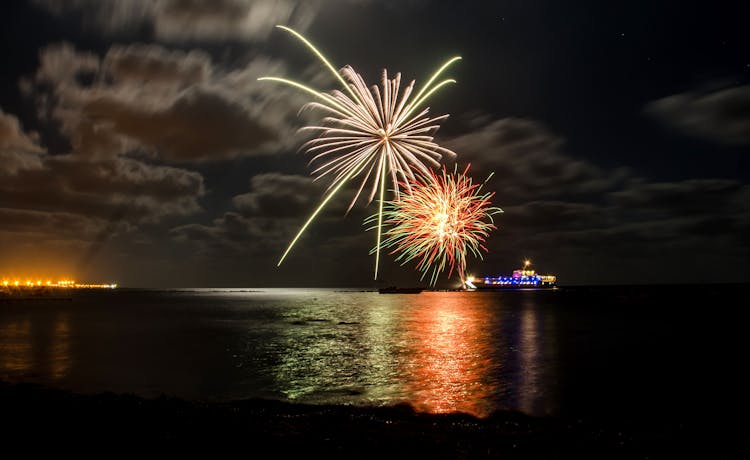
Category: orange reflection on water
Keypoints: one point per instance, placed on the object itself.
(15, 347)
(37, 348)
(529, 356)
(451, 364)
(60, 348)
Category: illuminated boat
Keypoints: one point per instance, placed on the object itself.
(523, 278)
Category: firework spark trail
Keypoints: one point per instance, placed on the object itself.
(373, 132)
(445, 217)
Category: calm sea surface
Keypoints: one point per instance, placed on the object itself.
(573, 351)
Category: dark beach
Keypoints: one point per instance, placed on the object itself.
(283, 430)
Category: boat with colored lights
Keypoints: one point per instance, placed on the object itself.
(523, 278)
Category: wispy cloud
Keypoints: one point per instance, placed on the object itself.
(721, 116)
(188, 20)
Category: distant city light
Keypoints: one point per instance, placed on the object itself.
(62, 283)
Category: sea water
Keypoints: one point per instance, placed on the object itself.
(614, 351)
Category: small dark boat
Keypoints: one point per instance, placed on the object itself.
(399, 290)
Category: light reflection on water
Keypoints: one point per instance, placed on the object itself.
(439, 351)
(537, 361)
(607, 351)
(33, 348)
(15, 347)
(60, 347)
(450, 367)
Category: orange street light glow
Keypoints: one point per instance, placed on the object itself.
(62, 283)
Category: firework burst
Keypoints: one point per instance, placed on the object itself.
(443, 218)
(370, 133)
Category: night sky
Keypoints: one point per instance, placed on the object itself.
(138, 147)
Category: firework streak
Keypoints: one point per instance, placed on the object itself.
(372, 133)
(445, 217)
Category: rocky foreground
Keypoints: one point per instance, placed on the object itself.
(270, 429)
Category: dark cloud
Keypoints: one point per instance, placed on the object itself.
(14, 161)
(683, 239)
(151, 64)
(18, 150)
(125, 113)
(188, 20)
(235, 233)
(559, 208)
(642, 218)
(551, 215)
(623, 240)
(229, 19)
(39, 225)
(128, 177)
(62, 84)
(707, 209)
(95, 188)
(12, 136)
(71, 203)
(528, 162)
(172, 103)
(333, 252)
(693, 195)
(283, 195)
(61, 214)
(62, 67)
(199, 125)
(722, 116)
(271, 214)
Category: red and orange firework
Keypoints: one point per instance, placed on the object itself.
(443, 218)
